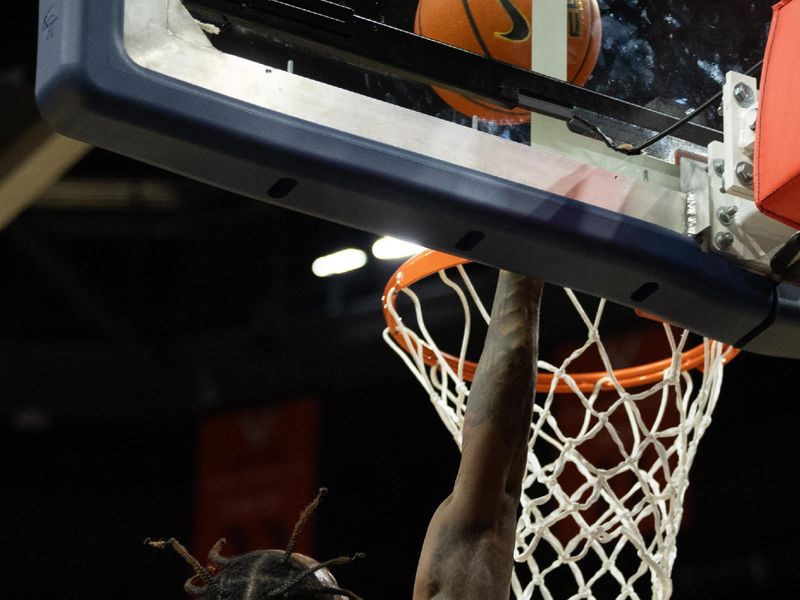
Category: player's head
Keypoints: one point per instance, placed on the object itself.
(268, 574)
(278, 574)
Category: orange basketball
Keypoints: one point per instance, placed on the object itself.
(501, 29)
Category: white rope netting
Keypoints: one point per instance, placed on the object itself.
(607, 471)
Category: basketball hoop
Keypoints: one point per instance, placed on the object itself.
(608, 461)
(430, 262)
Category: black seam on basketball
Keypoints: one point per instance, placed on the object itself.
(492, 107)
(589, 23)
(475, 29)
(498, 109)
(582, 63)
(595, 47)
(419, 20)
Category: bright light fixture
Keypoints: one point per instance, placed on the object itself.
(340, 262)
(388, 248)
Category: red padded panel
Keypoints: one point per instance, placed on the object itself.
(777, 154)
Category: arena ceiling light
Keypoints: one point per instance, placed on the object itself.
(343, 261)
(389, 248)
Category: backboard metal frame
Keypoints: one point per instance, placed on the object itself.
(139, 77)
(331, 29)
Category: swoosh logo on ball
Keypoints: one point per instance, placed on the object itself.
(520, 28)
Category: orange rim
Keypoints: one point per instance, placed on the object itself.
(430, 262)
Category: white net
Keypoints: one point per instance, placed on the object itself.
(607, 468)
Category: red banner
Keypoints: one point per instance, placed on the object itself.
(255, 474)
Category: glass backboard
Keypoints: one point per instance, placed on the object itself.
(287, 103)
(668, 56)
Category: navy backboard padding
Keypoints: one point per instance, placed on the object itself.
(88, 88)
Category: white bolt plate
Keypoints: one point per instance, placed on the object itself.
(739, 136)
(756, 237)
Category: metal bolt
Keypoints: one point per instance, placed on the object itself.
(744, 173)
(720, 111)
(744, 95)
(724, 240)
(751, 118)
(719, 167)
(727, 214)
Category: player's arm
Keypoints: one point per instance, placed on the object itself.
(468, 549)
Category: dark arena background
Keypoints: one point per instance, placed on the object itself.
(170, 366)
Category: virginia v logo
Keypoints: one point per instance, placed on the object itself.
(520, 28)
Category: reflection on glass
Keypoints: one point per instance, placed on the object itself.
(669, 55)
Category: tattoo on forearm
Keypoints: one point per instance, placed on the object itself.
(503, 385)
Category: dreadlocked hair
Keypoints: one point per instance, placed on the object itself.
(273, 574)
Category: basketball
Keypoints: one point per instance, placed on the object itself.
(501, 30)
